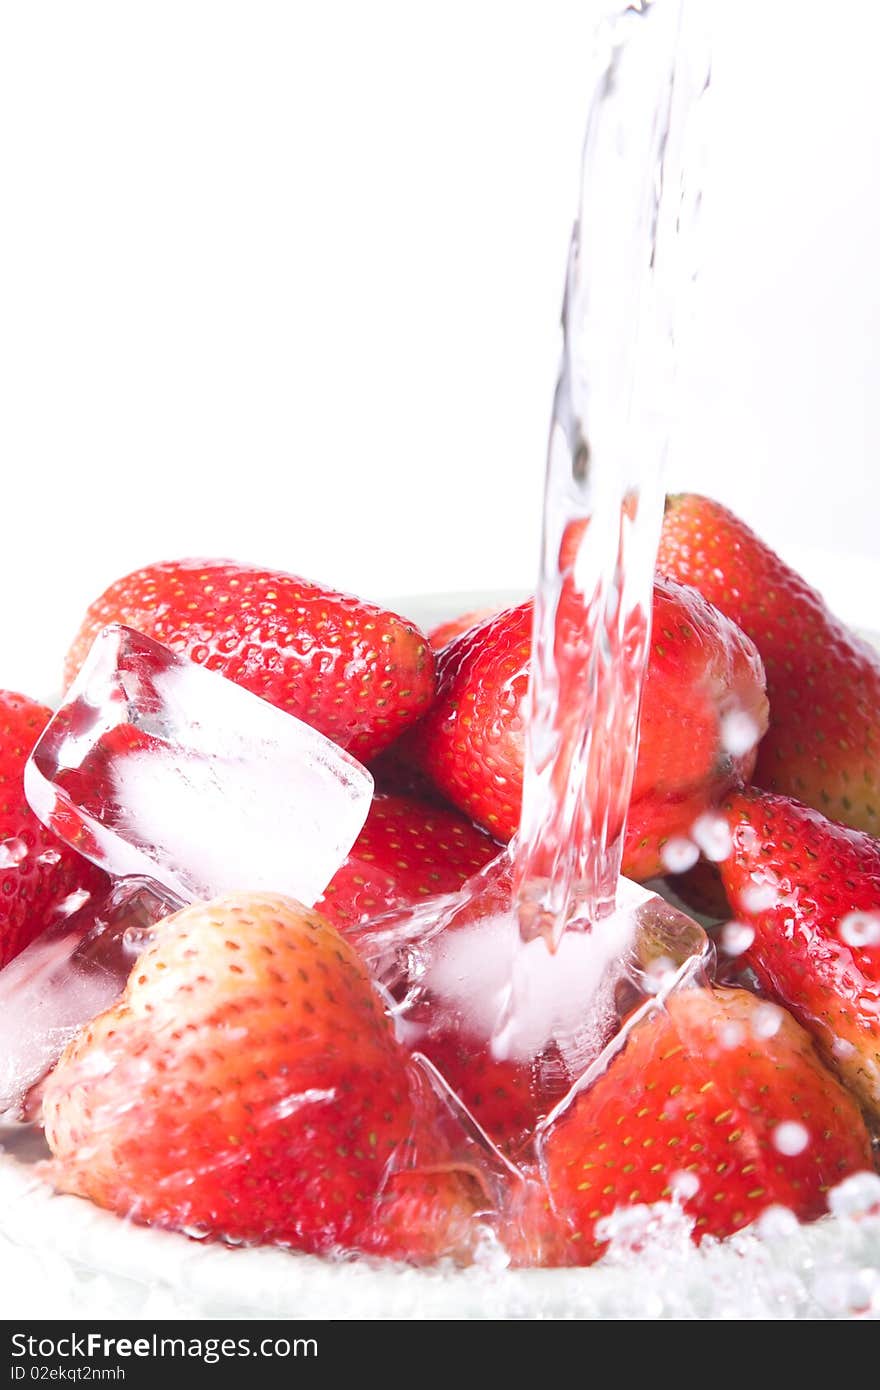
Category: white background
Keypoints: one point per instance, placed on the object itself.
(282, 281)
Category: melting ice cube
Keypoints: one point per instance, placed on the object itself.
(158, 768)
(511, 1025)
(184, 786)
(67, 976)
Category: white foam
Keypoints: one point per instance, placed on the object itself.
(73, 1260)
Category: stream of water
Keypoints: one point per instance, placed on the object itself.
(630, 260)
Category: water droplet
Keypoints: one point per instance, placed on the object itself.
(736, 937)
(790, 1138)
(766, 1021)
(196, 1232)
(739, 733)
(679, 854)
(72, 903)
(12, 852)
(684, 1185)
(860, 929)
(712, 834)
(758, 897)
(49, 856)
(658, 974)
(776, 1223)
(135, 939)
(730, 1035)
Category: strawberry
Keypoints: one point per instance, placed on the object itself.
(248, 1084)
(702, 671)
(355, 672)
(700, 1102)
(823, 743)
(406, 852)
(37, 871)
(796, 879)
(444, 633)
(394, 774)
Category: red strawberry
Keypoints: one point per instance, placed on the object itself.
(823, 744)
(700, 1101)
(797, 879)
(395, 774)
(444, 633)
(406, 852)
(248, 1084)
(37, 871)
(702, 670)
(355, 672)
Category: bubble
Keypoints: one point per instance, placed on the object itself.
(712, 834)
(684, 1185)
(12, 852)
(790, 1138)
(856, 1195)
(860, 929)
(766, 1021)
(736, 937)
(679, 854)
(739, 733)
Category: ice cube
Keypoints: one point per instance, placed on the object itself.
(68, 975)
(522, 997)
(156, 767)
(513, 1025)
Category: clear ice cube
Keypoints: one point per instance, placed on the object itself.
(72, 972)
(158, 768)
(513, 1025)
